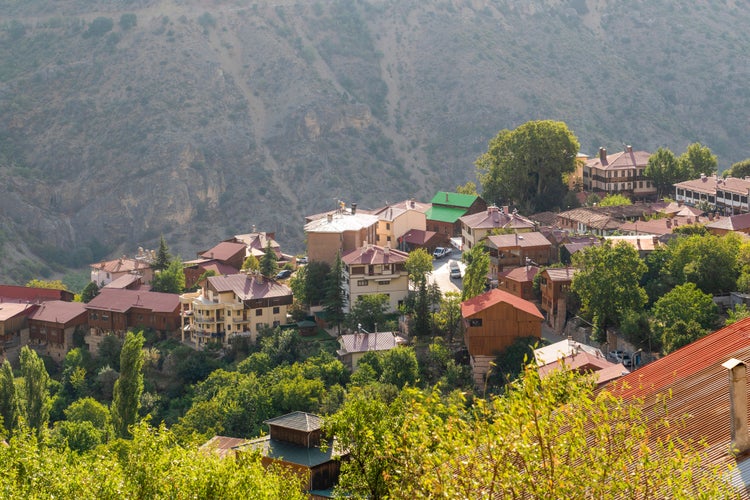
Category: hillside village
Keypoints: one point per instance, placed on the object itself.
(245, 286)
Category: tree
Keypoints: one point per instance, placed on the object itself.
(269, 262)
(251, 264)
(697, 160)
(615, 200)
(89, 292)
(51, 284)
(129, 386)
(335, 294)
(525, 167)
(171, 279)
(36, 404)
(418, 264)
(708, 261)
(128, 21)
(737, 313)
(368, 311)
(163, 257)
(738, 170)
(448, 317)
(664, 170)
(399, 367)
(608, 283)
(8, 398)
(99, 27)
(477, 266)
(468, 188)
(315, 274)
(683, 315)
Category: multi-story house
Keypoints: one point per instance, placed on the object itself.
(233, 305)
(13, 326)
(340, 231)
(115, 311)
(586, 220)
(518, 281)
(554, 284)
(516, 250)
(620, 172)
(396, 220)
(446, 210)
(476, 227)
(374, 270)
(105, 272)
(729, 196)
(52, 324)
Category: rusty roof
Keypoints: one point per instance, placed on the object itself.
(493, 297)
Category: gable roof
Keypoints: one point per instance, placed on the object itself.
(524, 274)
(710, 184)
(454, 199)
(493, 218)
(373, 254)
(524, 240)
(560, 273)
(365, 342)
(58, 311)
(493, 297)
(15, 293)
(418, 237)
(619, 160)
(444, 214)
(553, 352)
(225, 251)
(249, 287)
(297, 420)
(731, 223)
(124, 281)
(121, 265)
(590, 218)
(10, 310)
(122, 300)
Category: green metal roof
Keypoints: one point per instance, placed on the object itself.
(280, 450)
(454, 199)
(444, 214)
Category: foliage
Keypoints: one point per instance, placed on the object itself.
(418, 265)
(615, 200)
(690, 229)
(335, 296)
(128, 21)
(708, 261)
(525, 167)
(607, 282)
(51, 284)
(109, 351)
(448, 317)
(129, 386)
(99, 27)
(268, 264)
(738, 170)
(315, 274)
(89, 292)
(368, 312)
(9, 408)
(635, 327)
(36, 403)
(737, 313)
(152, 465)
(697, 160)
(251, 264)
(664, 170)
(683, 315)
(163, 257)
(468, 188)
(399, 367)
(510, 363)
(171, 279)
(477, 266)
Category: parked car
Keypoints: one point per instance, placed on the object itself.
(284, 274)
(456, 272)
(441, 252)
(621, 357)
(302, 260)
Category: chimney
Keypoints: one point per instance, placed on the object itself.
(253, 230)
(446, 197)
(602, 155)
(330, 217)
(738, 404)
(505, 209)
(413, 204)
(354, 208)
(629, 148)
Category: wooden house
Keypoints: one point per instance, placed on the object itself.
(554, 284)
(492, 322)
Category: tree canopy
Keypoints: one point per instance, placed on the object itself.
(525, 166)
(129, 387)
(477, 266)
(664, 170)
(739, 170)
(697, 160)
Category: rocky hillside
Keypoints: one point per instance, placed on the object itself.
(123, 120)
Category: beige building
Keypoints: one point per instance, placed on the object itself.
(342, 231)
(233, 305)
(374, 270)
(620, 172)
(476, 227)
(394, 221)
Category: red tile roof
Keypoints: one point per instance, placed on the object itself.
(488, 299)
(520, 274)
(620, 160)
(14, 293)
(122, 300)
(225, 251)
(249, 287)
(58, 311)
(121, 265)
(374, 254)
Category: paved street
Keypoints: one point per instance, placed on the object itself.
(441, 273)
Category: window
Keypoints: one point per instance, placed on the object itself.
(384, 282)
(259, 312)
(388, 238)
(475, 322)
(105, 316)
(388, 227)
(94, 316)
(361, 282)
(358, 269)
(276, 310)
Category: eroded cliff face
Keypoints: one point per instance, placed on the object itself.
(204, 119)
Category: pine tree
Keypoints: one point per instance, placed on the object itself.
(268, 263)
(163, 258)
(8, 398)
(129, 386)
(36, 386)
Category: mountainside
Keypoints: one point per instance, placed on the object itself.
(124, 120)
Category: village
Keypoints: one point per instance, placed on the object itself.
(526, 294)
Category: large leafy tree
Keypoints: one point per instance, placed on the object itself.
(525, 166)
(52, 284)
(696, 160)
(171, 279)
(708, 261)
(683, 315)
(126, 398)
(418, 264)
(739, 170)
(477, 266)
(36, 404)
(664, 170)
(369, 311)
(608, 283)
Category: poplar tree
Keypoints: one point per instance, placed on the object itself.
(129, 386)
(8, 398)
(335, 296)
(36, 387)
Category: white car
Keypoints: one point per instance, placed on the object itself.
(455, 270)
(441, 252)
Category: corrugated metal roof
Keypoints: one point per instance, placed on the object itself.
(297, 420)
(454, 199)
(249, 287)
(444, 214)
(365, 342)
(224, 251)
(122, 300)
(58, 311)
(488, 299)
(287, 452)
(560, 273)
(520, 274)
(374, 255)
(533, 239)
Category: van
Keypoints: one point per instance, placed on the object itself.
(455, 269)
